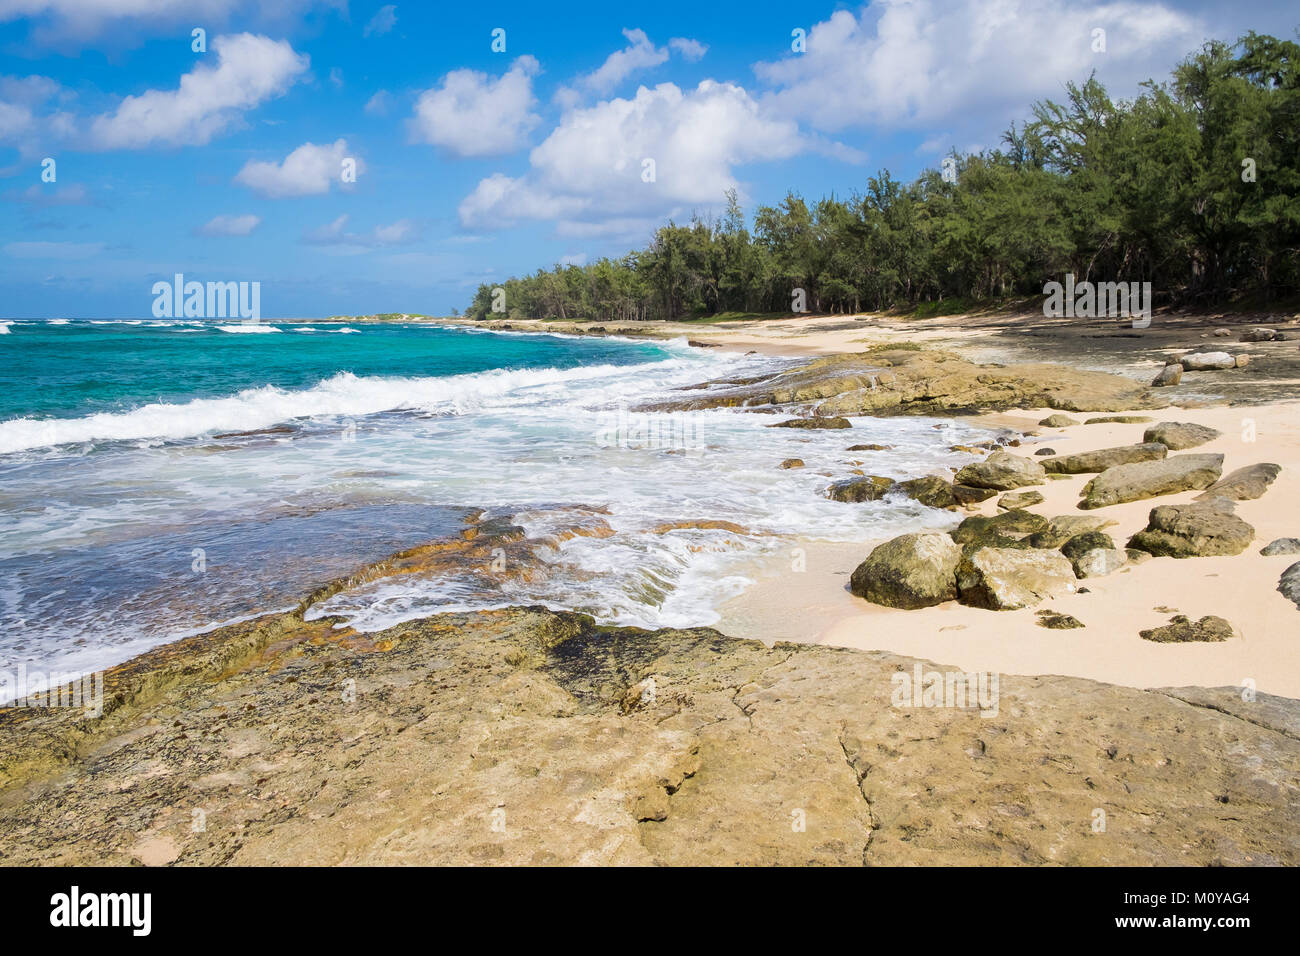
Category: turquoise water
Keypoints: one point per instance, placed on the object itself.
(84, 367)
(157, 479)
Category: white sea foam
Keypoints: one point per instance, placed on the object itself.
(248, 328)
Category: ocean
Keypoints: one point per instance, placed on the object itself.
(158, 478)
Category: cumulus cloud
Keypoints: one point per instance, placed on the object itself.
(229, 226)
(472, 114)
(383, 21)
(640, 54)
(250, 70)
(308, 171)
(589, 173)
(688, 48)
(915, 62)
(378, 104)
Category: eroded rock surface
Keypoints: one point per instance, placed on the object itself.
(502, 738)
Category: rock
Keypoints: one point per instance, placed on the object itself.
(1056, 621)
(1177, 436)
(910, 571)
(1137, 557)
(1017, 523)
(1103, 458)
(1242, 361)
(1081, 544)
(1222, 333)
(1259, 335)
(1244, 484)
(1207, 361)
(1016, 500)
(931, 491)
(792, 463)
(1099, 562)
(1169, 375)
(870, 447)
(1289, 584)
(1064, 527)
(1045, 451)
(1181, 629)
(970, 495)
(1058, 421)
(1198, 529)
(967, 449)
(1005, 579)
(1148, 479)
(640, 694)
(813, 423)
(1118, 419)
(1002, 471)
(1281, 546)
(522, 710)
(866, 488)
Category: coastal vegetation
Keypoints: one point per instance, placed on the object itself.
(1190, 186)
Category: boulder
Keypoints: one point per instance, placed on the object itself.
(813, 423)
(1064, 527)
(1281, 546)
(1148, 479)
(1169, 375)
(1260, 335)
(1177, 436)
(1181, 629)
(1289, 584)
(970, 495)
(1017, 500)
(1242, 361)
(1207, 361)
(1045, 451)
(1002, 471)
(1011, 523)
(932, 491)
(1058, 421)
(1081, 544)
(792, 463)
(910, 571)
(1198, 529)
(1244, 484)
(1099, 562)
(866, 488)
(1118, 419)
(1103, 458)
(872, 446)
(1005, 579)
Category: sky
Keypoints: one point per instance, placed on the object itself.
(362, 157)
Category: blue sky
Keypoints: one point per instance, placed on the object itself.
(473, 165)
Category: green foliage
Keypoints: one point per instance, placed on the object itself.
(1152, 190)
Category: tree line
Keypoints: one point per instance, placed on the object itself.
(1192, 186)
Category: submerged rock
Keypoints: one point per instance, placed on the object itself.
(910, 571)
(1198, 529)
(812, 423)
(1148, 479)
(866, 488)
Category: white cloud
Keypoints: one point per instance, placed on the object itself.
(250, 70)
(383, 21)
(472, 114)
(640, 54)
(336, 77)
(308, 171)
(588, 173)
(916, 62)
(378, 104)
(690, 49)
(229, 226)
(335, 233)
